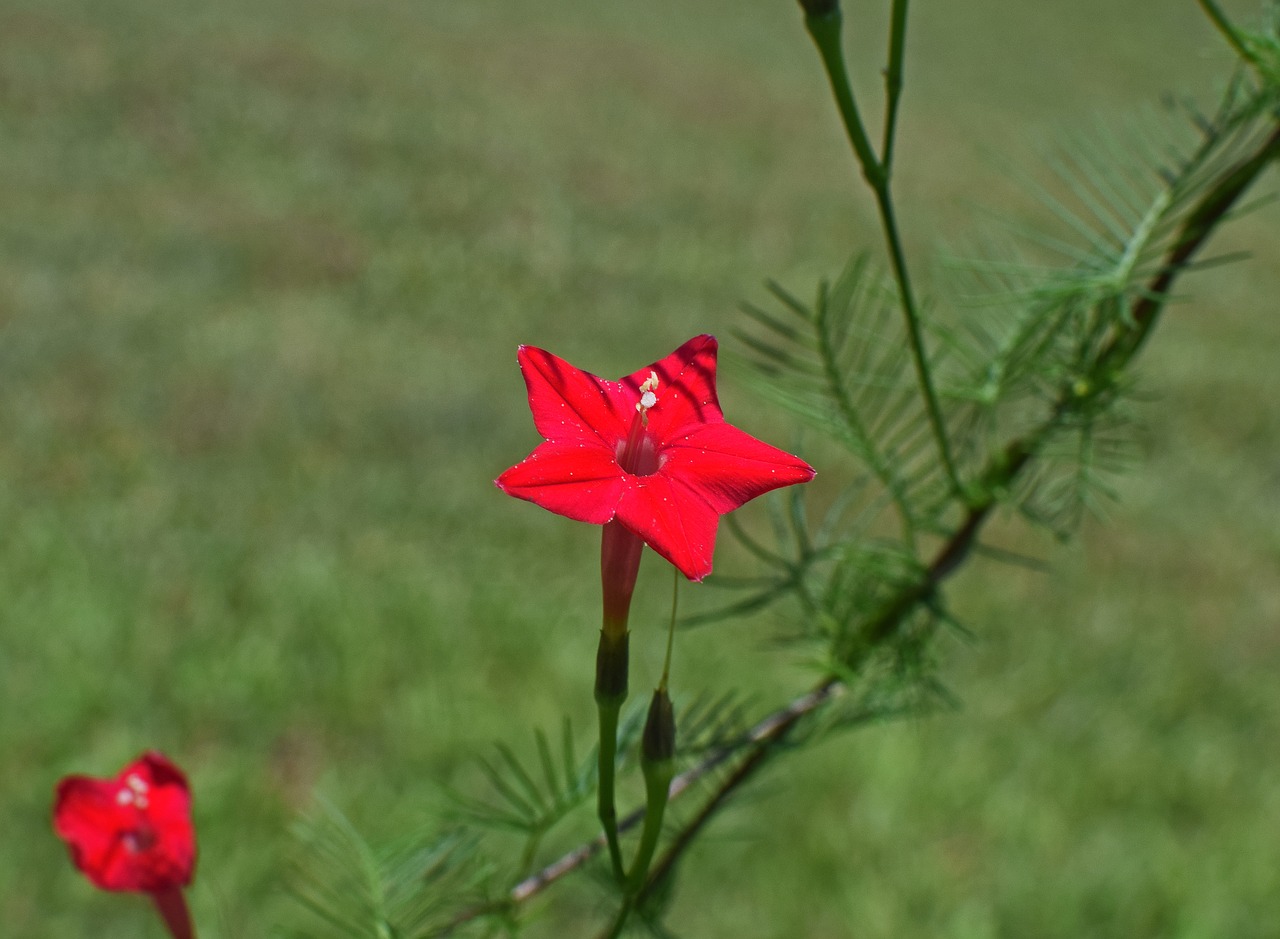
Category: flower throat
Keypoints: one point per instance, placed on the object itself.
(637, 455)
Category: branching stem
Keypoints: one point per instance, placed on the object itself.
(605, 804)
(893, 78)
(825, 30)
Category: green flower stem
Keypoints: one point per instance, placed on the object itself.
(635, 884)
(825, 30)
(606, 806)
(658, 763)
(893, 78)
(610, 693)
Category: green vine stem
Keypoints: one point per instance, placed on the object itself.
(893, 78)
(825, 29)
(605, 804)
(610, 693)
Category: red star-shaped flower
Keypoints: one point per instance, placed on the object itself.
(651, 451)
(132, 832)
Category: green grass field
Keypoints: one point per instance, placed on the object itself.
(263, 270)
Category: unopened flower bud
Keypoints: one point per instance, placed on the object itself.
(658, 745)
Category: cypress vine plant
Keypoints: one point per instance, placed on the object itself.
(1016, 394)
(942, 414)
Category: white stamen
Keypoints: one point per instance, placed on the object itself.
(647, 397)
(124, 797)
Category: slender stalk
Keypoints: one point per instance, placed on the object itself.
(671, 628)
(620, 551)
(825, 31)
(893, 80)
(915, 335)
(612, 660)
(606, 806)
(656, 797)
(657, 761)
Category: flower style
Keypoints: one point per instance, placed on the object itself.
(133, 833)
(651, 452)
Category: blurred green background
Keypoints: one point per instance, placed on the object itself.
(263, 269)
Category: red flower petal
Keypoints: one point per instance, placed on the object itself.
(727, 467)
(673, 520)
(579, 481)
(133, 832)
(569, 404)
(686, 388)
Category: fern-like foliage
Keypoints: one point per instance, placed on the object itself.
(713, 722)
(1033, 374)
(842, 365)
(1041, 358)
(403, 891)
(530, 799)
